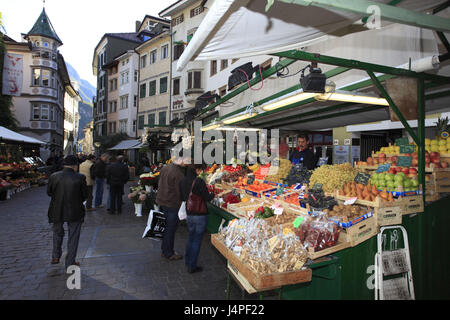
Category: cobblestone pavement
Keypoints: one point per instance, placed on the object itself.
(116, 263)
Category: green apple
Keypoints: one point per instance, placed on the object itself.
(382, 176)
(398, 183)
(389, 177)
(401, 174)
(382, 183)
(399, 177)
(374, 176)
(390, 185)
(407, 183)
(415, 183)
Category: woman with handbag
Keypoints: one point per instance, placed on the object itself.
(193, 190)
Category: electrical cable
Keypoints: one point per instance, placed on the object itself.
(248, 81)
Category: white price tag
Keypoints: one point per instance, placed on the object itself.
(350, 201)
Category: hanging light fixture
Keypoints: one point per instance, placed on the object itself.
(352, 97)
(297, 96)
(212, 126)
(250, 112)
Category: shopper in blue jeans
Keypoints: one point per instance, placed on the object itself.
(100, 175)
(196, 221)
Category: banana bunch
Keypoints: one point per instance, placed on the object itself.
(254, 167)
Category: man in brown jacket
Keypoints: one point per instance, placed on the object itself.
(169, 199)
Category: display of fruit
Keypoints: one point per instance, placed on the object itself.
(262, 171)
(367, 192)
(258, 187)
(397, 181)
(317, 200)
(346, 213)
(279, 173)
(298, 174)
(333, 177)
(254, 167)
(264, 213)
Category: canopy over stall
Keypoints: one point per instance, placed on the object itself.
(243, 28)
(11, 136)
(127, 145)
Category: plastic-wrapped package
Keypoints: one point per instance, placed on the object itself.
(263, 248)
(322, 234)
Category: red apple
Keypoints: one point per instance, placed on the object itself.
(412, 175)
(444, 164)
(405, 171)
(382, 155)
(394, 163)
(435, 160)
(412, 170)
(435, 155)
(414, 162)
(392, 170)
(415, 155)
(427, 160)
(437, 165)
(427, 165)
(394, 159)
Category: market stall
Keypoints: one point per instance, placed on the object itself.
(20, 164)
(337, 211)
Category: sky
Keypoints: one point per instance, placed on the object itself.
(79, 24)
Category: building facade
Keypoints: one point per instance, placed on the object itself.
(45, 81)
(112, 70)
(128, 64)
(71, 119)
(154, 76)
(109, 48)
(86, 144)
(189, 84)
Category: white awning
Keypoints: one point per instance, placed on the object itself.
(242, 28)
(127, 144)
(9, 135)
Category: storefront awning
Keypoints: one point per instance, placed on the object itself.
(9, 135)
(243, 28)
(127, 145)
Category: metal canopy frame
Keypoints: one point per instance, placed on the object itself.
(388, 12)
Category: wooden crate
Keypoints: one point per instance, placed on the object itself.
(412, 204)
(341, 245)
(389, 216)
(442, 181)
(361, 231)
(261, 282)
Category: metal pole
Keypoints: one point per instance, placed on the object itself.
(421, 132)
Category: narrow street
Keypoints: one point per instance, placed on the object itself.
(116, 263)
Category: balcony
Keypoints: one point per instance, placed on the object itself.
(193, 94)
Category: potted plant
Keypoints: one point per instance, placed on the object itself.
(138, 196)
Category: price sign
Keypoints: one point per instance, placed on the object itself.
(401, 141)
(362, 178)
(404, 161)
(384, 167)
(407, 148)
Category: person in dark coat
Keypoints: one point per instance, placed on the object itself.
(196, 221)
(303, 154)
(117, 175)
(68, 191)
(100, 175)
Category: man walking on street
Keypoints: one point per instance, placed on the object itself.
(68, 191)
(169, 199)
(117, 176)
(100, 174)
(86, 168)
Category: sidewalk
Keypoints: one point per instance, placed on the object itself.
(116, 263)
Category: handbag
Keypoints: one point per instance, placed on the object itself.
(196, 203)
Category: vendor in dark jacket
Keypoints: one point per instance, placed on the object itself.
(302, 154)
(117, 175)
(68, 191)
(196, 221)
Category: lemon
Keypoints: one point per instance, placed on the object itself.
(442, 142)
(434, 148)
(434, 142)
(427, 141)
(443, 148)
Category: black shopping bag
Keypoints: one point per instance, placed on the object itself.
(156, 224)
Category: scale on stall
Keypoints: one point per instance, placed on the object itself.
(393, 274)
